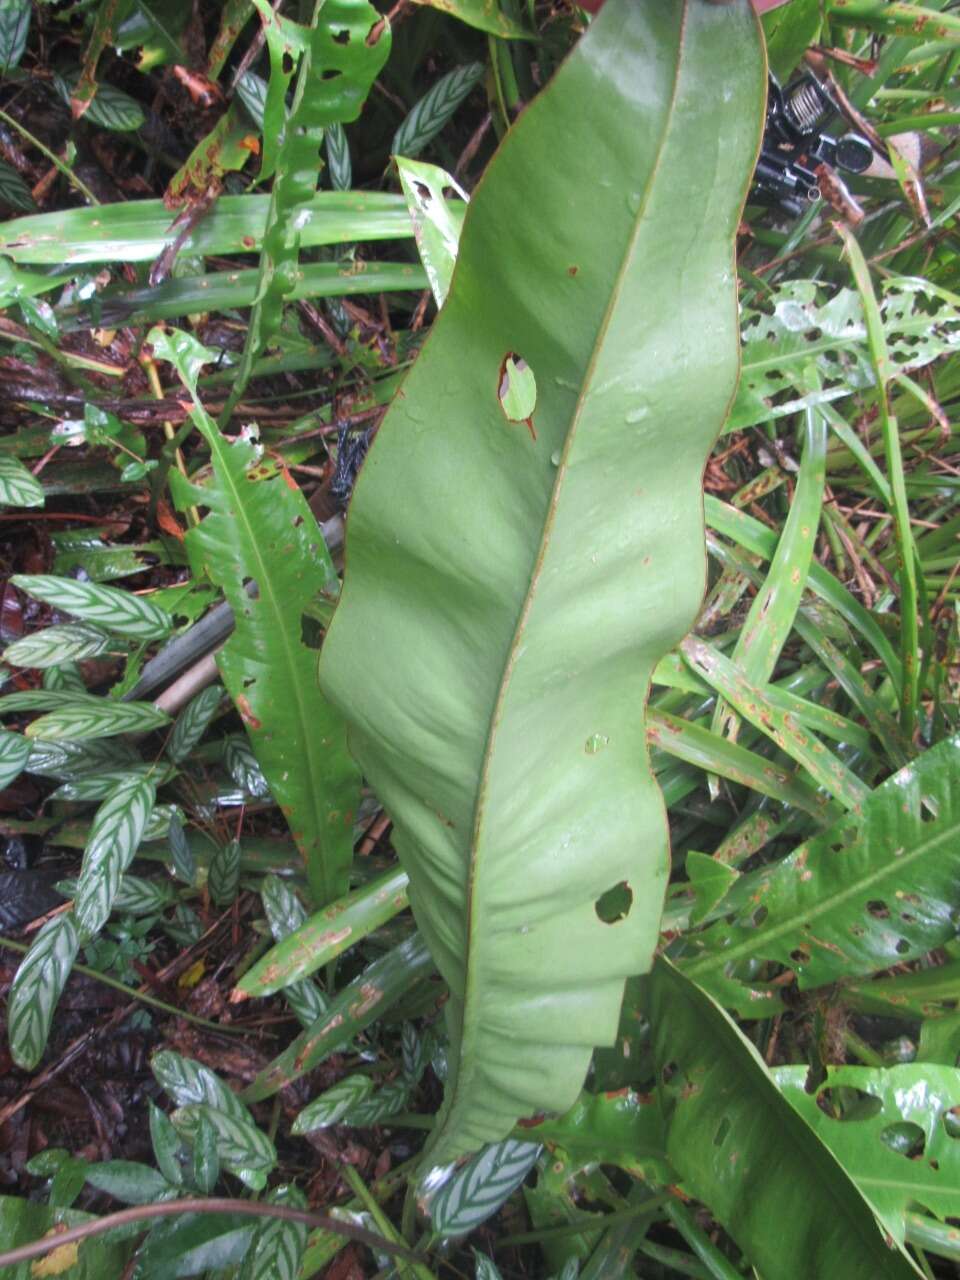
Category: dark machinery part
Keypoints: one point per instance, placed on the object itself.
(793, 146)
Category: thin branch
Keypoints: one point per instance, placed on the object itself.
(249, 1208)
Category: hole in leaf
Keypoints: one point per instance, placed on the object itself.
(517, 388)
(252, 588)
(841, 1102)
(423, 191)
(904, 1137)
(759, 916)
(951, 1122)
(615, 904)
(342, 37)
(668, 1072)
(929, 809)
(311, 632)
(879, 910)
(800, 955)
(286, 63)
(902, 947)
(723, 1128)
(332, 73)
(297, 521)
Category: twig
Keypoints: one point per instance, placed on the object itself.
(248, 1208)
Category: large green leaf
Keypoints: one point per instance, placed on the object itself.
(739, 1146)
(900, 1144)
(867, 894)
(536, 571)
(260, 542)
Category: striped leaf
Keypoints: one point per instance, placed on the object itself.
(188, 1082)
(206, 1155)
(14, 754)
(307, 1001)
(18, 488)
(387, 1102)
(110, 109)
(284, 909)
(97, 718)
(71, 760)
(477, 1190)
(415, 1053)
(277, 1248)
(99, 785)
(487, 1269)
(158, 824)
(166, 1145)
(435, 108)
(115, 833)
(136, 895)
(119, 612)
(244, 770)
(56, 645)
(181, 855)
(338, 157)
(333, 1103)
(224, 875)
(184, 925)
(65, 677)
(36, 989)
(14, 27)
(243, 1148)
(252, 92)
(192, 722)
(45, 700)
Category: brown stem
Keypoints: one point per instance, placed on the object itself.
(250, 1208)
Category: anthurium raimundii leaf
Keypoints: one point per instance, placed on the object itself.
(901, 1148)
(261, 543)
(867, 894)
(788, 1204)
(538, 569)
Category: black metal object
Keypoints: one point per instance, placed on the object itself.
(793, 145)
(352, 448)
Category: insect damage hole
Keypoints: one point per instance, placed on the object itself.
(614, 905)
(517, 391)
